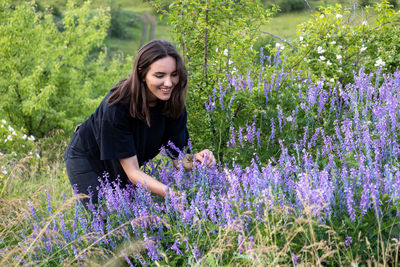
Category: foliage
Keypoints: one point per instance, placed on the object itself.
(287, 6)
(121, 21)
(14, 141)
(212, 38)
(333, 45)
(50, 77)
(248, 117)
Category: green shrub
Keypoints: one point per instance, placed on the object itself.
(51, 78)
(14, 141)
(332, 45)
(121, 22)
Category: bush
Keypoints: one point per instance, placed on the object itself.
(333, 46)
(121, 21)
(51, 78)
(13, 141)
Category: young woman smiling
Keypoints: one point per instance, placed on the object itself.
(137, 117)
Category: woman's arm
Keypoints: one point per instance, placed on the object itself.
(135, 175)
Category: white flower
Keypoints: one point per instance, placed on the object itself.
(363, 48)
(281, 47)
(339, 16)
(31, 138)
(301, 38)
(364, 23)
(322, 58)
(332, 80)
(340, 70)
(24, 136)
(3, 121)
(3, 170)
(11, 129)
(339, 57)
(380, 63)
(37, 155)
(329, 63)
(289, 118)
(333, 42)
(225, 52)
(321, 16)
(320, 50)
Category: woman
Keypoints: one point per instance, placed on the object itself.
(137, 117)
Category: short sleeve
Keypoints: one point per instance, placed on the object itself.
(176, 133)
(116, 138)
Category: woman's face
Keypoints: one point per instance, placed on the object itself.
(161, 79)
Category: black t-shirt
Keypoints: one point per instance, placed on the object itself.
(111, 133)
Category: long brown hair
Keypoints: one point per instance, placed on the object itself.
(133, 90)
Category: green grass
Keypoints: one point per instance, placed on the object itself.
(285, 25)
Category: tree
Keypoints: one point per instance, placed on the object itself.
(52, 77)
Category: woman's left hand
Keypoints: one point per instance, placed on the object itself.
(205, 157)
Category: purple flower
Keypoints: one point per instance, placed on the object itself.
(250, 132)
(196, 252)
(272, 136)
(210, 105)
(152, 250)
(295, 259)
(241, 137)
(128, 261)
(176, 248)
(231, 142)
(249, 82)
(348, 241)
(281, 119)
(240, 243)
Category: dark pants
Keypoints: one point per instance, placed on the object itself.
(80, 170)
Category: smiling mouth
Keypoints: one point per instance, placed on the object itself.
(166, 90)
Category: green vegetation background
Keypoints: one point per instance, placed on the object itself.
(42, 169)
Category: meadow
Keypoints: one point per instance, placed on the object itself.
(307, 141)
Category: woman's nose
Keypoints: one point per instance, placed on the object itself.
(168, 82)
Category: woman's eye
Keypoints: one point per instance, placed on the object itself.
(159, 76)
(174, 74)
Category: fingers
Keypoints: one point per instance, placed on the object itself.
(205, 157)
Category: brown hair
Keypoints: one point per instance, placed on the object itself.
(134, 91)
